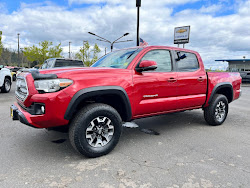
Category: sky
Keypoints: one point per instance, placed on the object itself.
(220, 29)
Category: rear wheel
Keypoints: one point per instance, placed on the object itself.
(95, 130)
(6, 85)
(216, 112)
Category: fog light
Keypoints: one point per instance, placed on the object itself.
(43, 109)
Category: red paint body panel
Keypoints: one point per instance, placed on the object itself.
(153, 92)
(219, 77)
(149, 93)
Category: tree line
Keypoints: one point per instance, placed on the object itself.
(36, 55)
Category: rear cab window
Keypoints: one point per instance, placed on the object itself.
(186, 61)
(68, 63)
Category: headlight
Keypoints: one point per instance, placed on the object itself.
(53, 85)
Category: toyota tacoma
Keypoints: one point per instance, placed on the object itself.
(94, 102)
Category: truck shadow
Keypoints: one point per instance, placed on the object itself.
(57, 145)
(173, 121)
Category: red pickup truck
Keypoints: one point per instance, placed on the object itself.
(93, 102)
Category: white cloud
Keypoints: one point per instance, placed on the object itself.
(146, 3)
(211, 9)
(215, 37)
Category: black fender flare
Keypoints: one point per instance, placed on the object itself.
(220, 86)
(97, 91)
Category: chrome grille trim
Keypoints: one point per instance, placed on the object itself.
(22, 90)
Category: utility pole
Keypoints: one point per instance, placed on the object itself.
(138, 5)
(105, 50)
(69, 49)
(22, 55)
(18, 50)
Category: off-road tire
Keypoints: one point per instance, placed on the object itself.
(210, 111)
(82, 120)
(5, 88)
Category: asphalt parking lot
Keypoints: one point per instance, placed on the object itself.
(187, 153)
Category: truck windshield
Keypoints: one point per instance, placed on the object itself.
(118, 59)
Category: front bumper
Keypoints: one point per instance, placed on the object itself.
(18, 115)
(55, 105)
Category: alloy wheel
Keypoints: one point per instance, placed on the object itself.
(220, 111)
(99, 132)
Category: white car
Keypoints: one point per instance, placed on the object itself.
(5, 79)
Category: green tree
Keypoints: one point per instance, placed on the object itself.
(88, 55)
(56, 51)
(42, 52)
(33, 54)
(96, 51)
(216, 70)
(1, 45)
(44, 49)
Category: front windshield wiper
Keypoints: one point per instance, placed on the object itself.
(132, 53)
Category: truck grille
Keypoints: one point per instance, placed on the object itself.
(21, 88)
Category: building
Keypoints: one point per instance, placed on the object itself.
(237, 65)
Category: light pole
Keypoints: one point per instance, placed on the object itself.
(18, 50)
(111, 43)
(69, 49)
(138, 5)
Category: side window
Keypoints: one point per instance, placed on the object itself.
(44, 66)
(186, 62)
(50, 63)
(162, 58)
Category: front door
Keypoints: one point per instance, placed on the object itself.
(155, 91)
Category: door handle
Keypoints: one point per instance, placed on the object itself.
(200, 79)
(172, 80)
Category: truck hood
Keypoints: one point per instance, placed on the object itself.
(75, 72)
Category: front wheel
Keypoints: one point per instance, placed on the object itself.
(6, 85)
(95, 130)
(216, 112)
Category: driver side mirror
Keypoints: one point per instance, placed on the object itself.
(146, 65)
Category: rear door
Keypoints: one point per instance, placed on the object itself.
(192, 80)
(155, 91)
